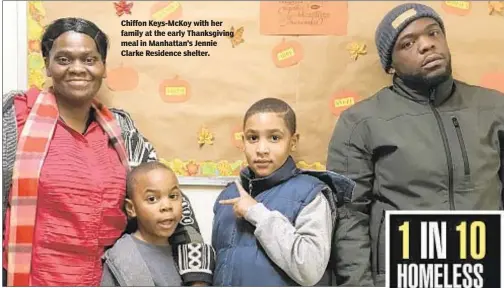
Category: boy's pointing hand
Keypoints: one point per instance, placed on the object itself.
(240, 204)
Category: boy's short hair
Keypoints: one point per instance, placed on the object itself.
(141, 170)
(276, 106)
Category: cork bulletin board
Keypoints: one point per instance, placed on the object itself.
(187, 84)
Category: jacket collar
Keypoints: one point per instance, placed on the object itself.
(254, 186)
(424, 94)
(119, 259)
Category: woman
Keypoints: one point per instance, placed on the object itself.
(65, 162)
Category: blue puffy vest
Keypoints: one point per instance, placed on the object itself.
(241, 261)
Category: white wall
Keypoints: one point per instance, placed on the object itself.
(15, 64)
(202, 200)
(14, 46)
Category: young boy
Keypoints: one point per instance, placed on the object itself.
(144, 258)
(275, 227)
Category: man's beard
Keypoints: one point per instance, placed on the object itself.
(419, 80)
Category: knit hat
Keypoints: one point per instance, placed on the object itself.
(394, 22)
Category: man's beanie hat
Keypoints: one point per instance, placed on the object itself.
(394, 22)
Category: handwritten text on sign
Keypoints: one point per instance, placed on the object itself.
(175, 91)
(285, 54)
(349, 101)
(303, 17)
(459, 4)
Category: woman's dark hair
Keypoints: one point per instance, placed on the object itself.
(62, 25)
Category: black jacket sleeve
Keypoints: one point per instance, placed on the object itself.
(351, 241)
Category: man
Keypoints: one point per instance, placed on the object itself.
(426, 142)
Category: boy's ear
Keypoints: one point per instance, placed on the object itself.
(242, 148)
(130, 209)
(294, 142)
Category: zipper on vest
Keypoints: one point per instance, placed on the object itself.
(449, 160)
(467, 169)
(250, 187)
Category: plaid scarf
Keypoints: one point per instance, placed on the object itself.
(31, 151)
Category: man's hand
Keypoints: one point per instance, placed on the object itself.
(240, 204)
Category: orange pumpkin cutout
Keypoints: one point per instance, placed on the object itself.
(287, 53)
(164, 11)
(342, 100)
(174, 90)
(460, 8)
(192, 168)
(494, 81)
(122, 78)
(236, 136)
(34, 46)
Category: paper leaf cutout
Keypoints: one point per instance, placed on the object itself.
(460, 8)
(122, 7)
(37, 78)
(224, 168)
(356, 49)
(314, 166)
(496, 7)
(205, 137)
(164, 11)
(35, 30)
(178, 166)
(287, 53)
(36, 61)
(122, 79)
(33, 46)
(237, 37)
(35, 12)
(192, 168)
(209, 169)
(220, 168)
(36, 71)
